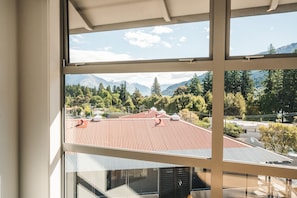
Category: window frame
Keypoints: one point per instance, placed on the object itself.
(218, 62)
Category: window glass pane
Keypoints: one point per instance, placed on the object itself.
(185, 40)
(260, 110)
(245, 185)
(263, 34)
(101, 176)
(158, 112)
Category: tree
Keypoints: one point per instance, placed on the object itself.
(195, 86)
(123, 92)
(207, 83)
(181, 90)
(137, 98)
(232, 82)
(188, 116)
(279, 138)
(272, 99)
(247, 84)
(271, 49)
(156, 88)
(234, 105)
(289, 92)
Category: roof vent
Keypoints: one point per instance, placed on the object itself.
(153, 109)
(175, 117)
(162, 112)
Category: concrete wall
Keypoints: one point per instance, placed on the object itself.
(8, 100)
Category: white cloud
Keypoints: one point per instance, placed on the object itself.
(182, 39)
(77, 38)
(166, 44)
(142, 39)
(162, 30)
(81, 56)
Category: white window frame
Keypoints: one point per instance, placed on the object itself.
(218, 63)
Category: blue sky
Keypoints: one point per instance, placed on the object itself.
(249, 35)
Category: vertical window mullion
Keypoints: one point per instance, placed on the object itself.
(219, 29)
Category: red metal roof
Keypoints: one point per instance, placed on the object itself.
(142, 132)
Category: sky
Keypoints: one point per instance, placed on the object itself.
(248, 36)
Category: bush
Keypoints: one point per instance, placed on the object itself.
(232, 130)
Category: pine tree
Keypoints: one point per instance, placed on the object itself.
(247, 84)
(195, 86)
(207, 83)
(156, 88)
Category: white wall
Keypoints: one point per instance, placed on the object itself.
(8, 100)
(39, 90)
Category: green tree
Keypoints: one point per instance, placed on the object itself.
(247, 84)
(163, 103)
(181, 90)
(289, 92)
(272, 99)
(124, 94)
(208, 101)
(198, 104)
(279, 137)
(188, 116)
(207, 83)
(195, 86)
(137, 99)
(271, 49)
(156, 88)
(234, 105)
(232, 82)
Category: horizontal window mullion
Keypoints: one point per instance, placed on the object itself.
(139, 155)
(261, 64)
(288, 172)
(182, 65)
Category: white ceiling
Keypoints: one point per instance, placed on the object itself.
(91, 15)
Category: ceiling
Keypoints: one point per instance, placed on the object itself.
(96, 15)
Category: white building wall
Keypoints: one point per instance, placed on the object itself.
(8, 100)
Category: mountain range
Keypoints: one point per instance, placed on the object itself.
(91, 80)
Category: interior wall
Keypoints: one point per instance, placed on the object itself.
(34, 105)
(8, 100)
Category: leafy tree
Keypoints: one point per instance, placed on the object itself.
(97, 102)
(129, 106)
(188, 116)
(183, 101)
(199, 104)
(181, 90)
(150, 101)
(234, 104)
(195, 86)
(137, 98)
(208, 101)
(163, 103)
(279, 138)
(156, 88)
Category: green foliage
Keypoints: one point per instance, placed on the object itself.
(188, 116)
(279, 137)
(195, 86)
(232, 130)
(234, 105)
